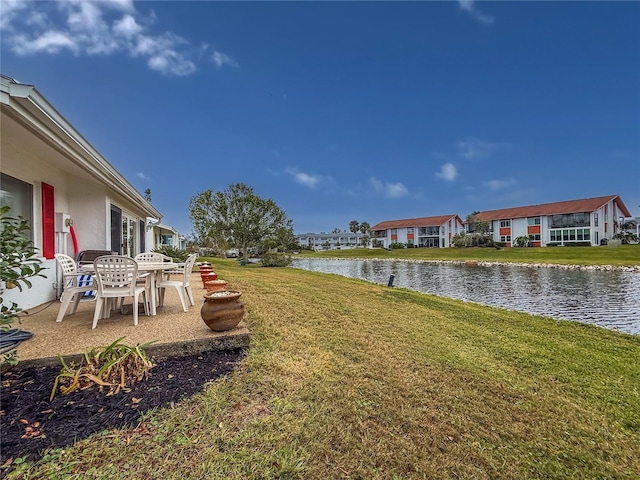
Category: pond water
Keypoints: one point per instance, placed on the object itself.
(609, 299)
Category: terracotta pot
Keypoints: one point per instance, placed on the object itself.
(205, 268)
(216, 285)
(221, 310)
(206, 277)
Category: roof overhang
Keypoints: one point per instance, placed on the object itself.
(24, 104)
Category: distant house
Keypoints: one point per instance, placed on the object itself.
(167, 236)
(586, 221)
(327, 241)
(429, 232)
(71, 196)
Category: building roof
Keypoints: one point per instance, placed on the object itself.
(26, 105)
(556, 208)
(415, 222)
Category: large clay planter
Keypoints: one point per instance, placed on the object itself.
(205, 269)
(221, 310)
(216, 285)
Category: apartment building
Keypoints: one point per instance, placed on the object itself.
(428, 232)
(328, 241)
(591, 221)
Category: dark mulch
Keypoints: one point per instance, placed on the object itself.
(31, 424)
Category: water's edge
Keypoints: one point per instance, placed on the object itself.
(605, 268)
(607, 296)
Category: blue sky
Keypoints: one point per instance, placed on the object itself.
(341, 111)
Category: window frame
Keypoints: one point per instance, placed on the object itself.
(11, 185)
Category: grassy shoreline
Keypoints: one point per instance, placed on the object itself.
(624, 255)
(347, 379)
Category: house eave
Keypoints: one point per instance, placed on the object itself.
(28, 107)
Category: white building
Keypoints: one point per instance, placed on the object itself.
(430, 232)
(591, 221)
(72, 198)
(327, 241)
(167, 236)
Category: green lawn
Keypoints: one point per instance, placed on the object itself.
(622, 255)
(351, 380)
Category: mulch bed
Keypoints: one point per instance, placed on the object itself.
(31, 424)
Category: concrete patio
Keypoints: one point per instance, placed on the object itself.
(173, 331)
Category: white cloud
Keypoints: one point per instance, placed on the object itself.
(221, 59)
(469, 7)
(99, 27)
(310, 181)
(49, 42)
(477, 149)
(448, 172)
(142, 176)
(127, 27)
(9, 10)
(499, 184)
(390, 190)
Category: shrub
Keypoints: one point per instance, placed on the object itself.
(581, 244)
(396, 245)
(18, 263)
(113, 367)
(177, 254)
(275, 260)
(522, 241)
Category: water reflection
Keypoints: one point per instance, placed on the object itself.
(610, 299)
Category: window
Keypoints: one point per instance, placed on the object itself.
(505, 223)
(18, 196)
(583, 234)
(142, 233)
(570, 235)
(533, 221)
(128, 236)
(410, 230)
(569, 220)
(595, 219)
(535, 237)
(166, 239)
(505, 238)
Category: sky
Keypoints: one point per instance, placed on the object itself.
(341, 111)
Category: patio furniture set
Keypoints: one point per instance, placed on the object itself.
(116, 277)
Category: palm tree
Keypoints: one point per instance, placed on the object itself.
(354, 226)
(365, 229)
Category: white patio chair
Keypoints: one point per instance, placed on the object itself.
(72, 290)
(117, 277)
(183, 286)
(149, 257)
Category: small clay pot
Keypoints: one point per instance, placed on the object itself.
(206, 277)
(222, 310)
(216, 285)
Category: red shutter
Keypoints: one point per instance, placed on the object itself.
(48, 222)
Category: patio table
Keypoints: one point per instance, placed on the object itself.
(154, 269)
